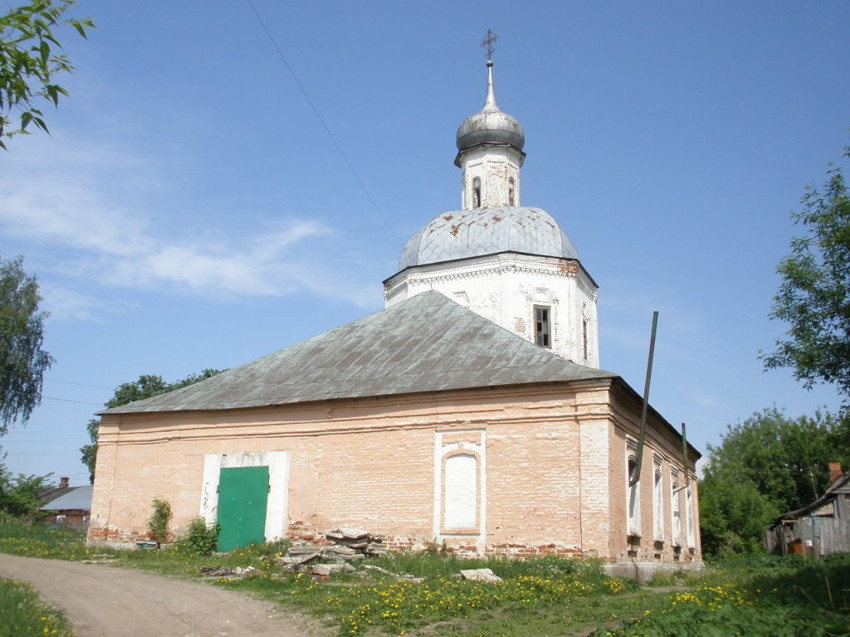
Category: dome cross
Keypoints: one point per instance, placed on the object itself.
(487, 44)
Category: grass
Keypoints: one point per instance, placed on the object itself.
(22, 613)
(541, 596)
(758, 595)
(567, 595)
(37, 540)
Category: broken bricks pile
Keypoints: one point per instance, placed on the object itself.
(347, 546)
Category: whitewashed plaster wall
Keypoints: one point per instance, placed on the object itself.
(497, 169)
(505, 288)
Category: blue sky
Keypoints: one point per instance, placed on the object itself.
(189, 209)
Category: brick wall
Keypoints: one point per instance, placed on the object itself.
(554, 457)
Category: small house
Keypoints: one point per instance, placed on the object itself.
(818, 529)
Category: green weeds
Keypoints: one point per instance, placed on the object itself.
(38, 540)
(760, 595)
(23, 613)
(400, 605)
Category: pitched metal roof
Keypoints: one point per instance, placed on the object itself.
(840, 485)
(423, 344)
(51, 494)
(77, 499)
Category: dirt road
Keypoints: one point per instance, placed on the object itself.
(104, 601)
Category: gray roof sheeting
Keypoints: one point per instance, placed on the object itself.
(78, 499)
(461, 234)
(423, 344)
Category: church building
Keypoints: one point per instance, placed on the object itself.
(471, 411)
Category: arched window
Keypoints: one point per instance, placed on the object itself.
(476, 192)
(676, 538)
(658, 504)
(689, 513)
(511, 191)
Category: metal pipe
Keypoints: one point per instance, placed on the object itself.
(685, 460)
(639, 460)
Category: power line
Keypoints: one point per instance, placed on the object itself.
(68, 382)
(322, 122)
(68, 400)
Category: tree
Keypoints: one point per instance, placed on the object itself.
(766, 465)
(22, 359)
(814, 296)
(732, 515)
(28, 63)
(147, 386)
(19, 496)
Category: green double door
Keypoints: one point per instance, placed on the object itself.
(243, 494)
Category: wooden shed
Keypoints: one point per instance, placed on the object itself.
(821, 528)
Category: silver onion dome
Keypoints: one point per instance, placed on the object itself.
(490, 125)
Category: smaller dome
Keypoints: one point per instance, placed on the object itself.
(490, 125)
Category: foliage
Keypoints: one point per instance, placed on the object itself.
(814, 296)
(19, 494)
(30, 539)
(766, 465)
(28, 64)
(22, 359)
(733, 515)
(262, 550)
(767, 596)
(756, 595)
(568, 593)
(88, 453)
(191, 379)
(431, 565)
(159, 519)
(24, 613)
(200, 538)
(147, 386)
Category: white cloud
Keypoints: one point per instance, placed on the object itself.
(702, 399)
(77, 203)
(65, 304)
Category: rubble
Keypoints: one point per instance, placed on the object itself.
(480, 575)
(346, 546)
(406, 577)
(358, 541)
(224, 571)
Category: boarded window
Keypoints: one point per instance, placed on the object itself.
(461, 491)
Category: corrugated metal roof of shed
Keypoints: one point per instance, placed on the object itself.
(425, 343)
(77, 499)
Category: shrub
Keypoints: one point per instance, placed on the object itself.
(200, 538)
(158, 522)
